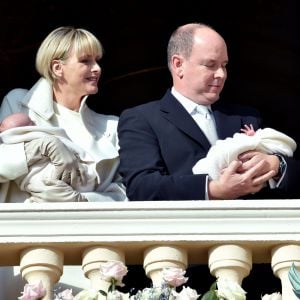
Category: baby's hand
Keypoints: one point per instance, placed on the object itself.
(248, 130)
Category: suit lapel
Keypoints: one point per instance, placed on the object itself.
(175, 113)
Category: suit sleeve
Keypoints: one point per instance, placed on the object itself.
(142, 166)
(290, 183)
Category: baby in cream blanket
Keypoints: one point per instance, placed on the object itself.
(18, 128)
(266, 140)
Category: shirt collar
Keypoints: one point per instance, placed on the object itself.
(187, 103)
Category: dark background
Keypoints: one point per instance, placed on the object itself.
(263, 41)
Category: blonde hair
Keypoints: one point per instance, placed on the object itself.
(58, 45)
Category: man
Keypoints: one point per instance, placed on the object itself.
(161, 141)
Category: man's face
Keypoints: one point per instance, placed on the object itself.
(203, 74)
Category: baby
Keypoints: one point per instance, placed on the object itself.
(17, 128)
(266, 140)
(15, 120)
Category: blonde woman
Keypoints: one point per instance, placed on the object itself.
(68, 62)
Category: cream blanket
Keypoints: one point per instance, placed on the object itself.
(43, 169)
(266, 140)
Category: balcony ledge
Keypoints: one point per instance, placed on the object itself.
(133, 226)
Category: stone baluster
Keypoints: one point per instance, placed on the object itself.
(233, 262)
(91, 260)
(159, 257)
(42, 264)
(282, 258)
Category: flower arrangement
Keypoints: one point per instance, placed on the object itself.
(114, 271)
(225, 289)
(172, 278)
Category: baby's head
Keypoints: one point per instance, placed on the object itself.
(15, 120)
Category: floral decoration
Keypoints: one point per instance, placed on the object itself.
(225, 289)
(113, 271)
(33, 291)
(274, 296)
(65, 295)
(172, 278)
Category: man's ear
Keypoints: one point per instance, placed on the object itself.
(177, 65)
(57, 68)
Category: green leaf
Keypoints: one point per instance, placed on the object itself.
(103, 293)
(210, 295)
(213, 287)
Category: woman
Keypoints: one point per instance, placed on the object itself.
(67, 61)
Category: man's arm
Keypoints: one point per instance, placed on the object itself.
(143, 168)
(145, 147)
(290, 181)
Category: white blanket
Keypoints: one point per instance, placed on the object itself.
(28, 133)
(266, 140)
(43, 169)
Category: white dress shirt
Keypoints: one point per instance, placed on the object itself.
(202, 115)
(192, 108)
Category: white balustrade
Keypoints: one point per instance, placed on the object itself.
(230, 261)
(228, 236)
(42, 264)
(157, 258)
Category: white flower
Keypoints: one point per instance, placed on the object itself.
(230, 290)
(186, 294)
(116, 295)
(274, 296)
(90, 294)
(174, 276)
(113, 270)
(155, 293)
(65, 295)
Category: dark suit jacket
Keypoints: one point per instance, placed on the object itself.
(160, 143)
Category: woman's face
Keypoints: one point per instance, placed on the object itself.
(80, 74)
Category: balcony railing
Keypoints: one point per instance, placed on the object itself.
(228, 236)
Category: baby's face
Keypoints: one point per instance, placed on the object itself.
(21, 120)
(16, 120)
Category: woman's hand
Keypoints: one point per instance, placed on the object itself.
(67, 164)
(50, 190)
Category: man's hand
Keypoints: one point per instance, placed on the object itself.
(233, 184)
(252, 158)
(67, 164)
